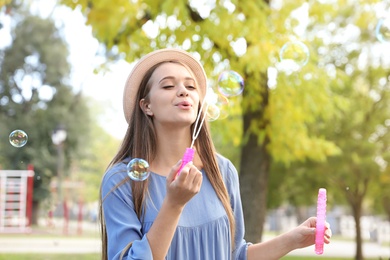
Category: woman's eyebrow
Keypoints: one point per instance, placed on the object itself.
(172, 77)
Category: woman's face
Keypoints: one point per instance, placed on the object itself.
(173, 96)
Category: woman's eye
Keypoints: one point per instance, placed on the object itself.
(191, 87)
(168, 86)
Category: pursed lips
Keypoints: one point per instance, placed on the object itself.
(184, 105)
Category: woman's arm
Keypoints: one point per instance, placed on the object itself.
(299, 237)
(124, 229)
(180, 190)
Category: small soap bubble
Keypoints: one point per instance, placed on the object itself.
(382, 30)
(138, 169)
(295, 53)
(218, 105)
(18, 138)
(230, 83)
(223, 104)
(213, 112)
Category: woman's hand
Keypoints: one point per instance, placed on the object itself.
(183, 186)
(304, 234)
(180, 189)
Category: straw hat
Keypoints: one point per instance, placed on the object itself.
(146, 62)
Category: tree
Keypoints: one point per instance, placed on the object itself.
(36, 96)
(359, 174)
(97, 154)
(362, 130)
(362, 135)
(241, 35)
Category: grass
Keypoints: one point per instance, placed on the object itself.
(41, 232)
(50, 256)
(319, 258)
(97, 257)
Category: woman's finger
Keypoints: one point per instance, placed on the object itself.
(328, 233)
(172, 175)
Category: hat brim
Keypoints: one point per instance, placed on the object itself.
(136, 75)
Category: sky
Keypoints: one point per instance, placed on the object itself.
(106, 88)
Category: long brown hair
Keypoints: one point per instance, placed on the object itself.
(140, 142)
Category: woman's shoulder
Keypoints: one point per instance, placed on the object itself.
(117, 168)
(222, 160)
(227, 169)
(115, 186)
(115, 174)
(225, 163)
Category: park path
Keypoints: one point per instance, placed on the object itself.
(75, 245)
(71, 245)
(339, 248)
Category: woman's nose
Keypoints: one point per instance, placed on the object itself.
(182, 91)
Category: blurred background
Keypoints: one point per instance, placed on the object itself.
(301, 101)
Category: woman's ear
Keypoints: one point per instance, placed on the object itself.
(145, 107)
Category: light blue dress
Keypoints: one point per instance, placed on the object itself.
(202, 233)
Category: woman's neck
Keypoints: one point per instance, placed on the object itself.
(171, 145)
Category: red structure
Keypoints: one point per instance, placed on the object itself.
(16, 194)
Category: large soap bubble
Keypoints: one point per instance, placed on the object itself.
(213, 112)
(138, 169)
(230, 83)
(295, 54)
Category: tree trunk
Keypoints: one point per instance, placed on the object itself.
(386, 206)
(254, 171)
(355, 199)
(35, 211)
(358, 239)
(255, 164)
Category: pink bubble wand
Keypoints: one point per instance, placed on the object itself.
(320, 225)
(190, 152)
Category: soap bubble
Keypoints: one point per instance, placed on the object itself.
(230, 83)
(213, 112)
(382, 30)
(18, 138)
(223, 104)
(295, 54)
(218, 105)
(138, 169)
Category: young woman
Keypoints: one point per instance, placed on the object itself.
(194, 213)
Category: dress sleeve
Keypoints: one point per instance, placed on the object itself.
(122, 224)
(233, 186)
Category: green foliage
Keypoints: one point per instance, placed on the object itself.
(211, 35)
(4, 2)
(90, 167)
(360, 128)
